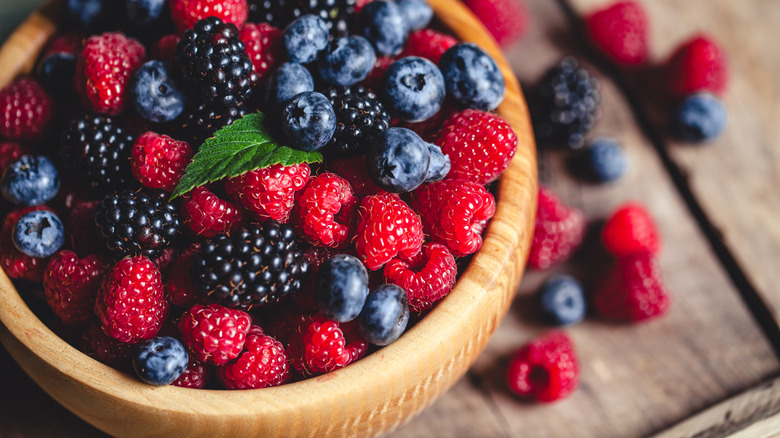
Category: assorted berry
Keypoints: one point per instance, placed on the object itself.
(633, 291)
(558, 231)
(506, 20)
(631, 230)
(562, 300)
(699, 118)
(603, 160)
(26, 110)
(697, 65)
(546, 369)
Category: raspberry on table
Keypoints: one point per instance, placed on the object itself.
(325, 210)
(629, 230)
(158, 161)
(427, 277)
(546, 369)
(321, 346)
(698, 64)
(26, 110)
(206, 214)
(263, 363)
(186, 13)
(633, 291)
(558, 231)
(387, 228)
(359, 116)
(130, 303)
(620, 31)
(15, 263)
(196, 375)
(428, 44)
(506, 20)
(215, 334)
(261, 43)
(269, 192)
(71, 285)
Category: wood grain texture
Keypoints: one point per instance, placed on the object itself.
(369, 397)
(18, 53)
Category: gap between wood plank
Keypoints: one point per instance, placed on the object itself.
(750, 296)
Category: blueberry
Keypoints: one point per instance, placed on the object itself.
(156, 95)
(398, 160)
(144, 12)
(30, 180)
(383, 23)
(699, 118)
(160, 361)
(348, 61)
(308, 121)
(417, 13)
(288, 81)
(56, 72)
(385, 315)
(472, 76)
(562, 300)
(440, 164)
(413, 89)
(87, 13)
(602, 161)
(341, 287)
(39, 234)
(304, 39)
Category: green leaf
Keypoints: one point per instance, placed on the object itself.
(240, 147)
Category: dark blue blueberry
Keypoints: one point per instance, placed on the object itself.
(39, 234)
(385, 315)
(30, 180)
(144, 12)
(562, 299)
(413, 89)
(304, 39)
(288, 81)
(55, 74)
(699, 118)
(417, 13)
(348, 61)
(603, 160)
(383, 23)
(341, 288)
(87, 13)
(160, 361)
(472, 76)
(155, 94)
(308, 121)
(398, 160)
(440, 164)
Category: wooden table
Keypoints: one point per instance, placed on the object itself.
(708, 368)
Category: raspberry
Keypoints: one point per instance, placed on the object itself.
(386, 228)
(620, 31)
(558, 231)
(215, 334)
(269, 192)
(262, 46)
(71, 285)
(322, 346)
(455, 212)
(15, 263)
(84, 239)
(206, 215)
(165, 260)
(546, 369)
(68, 42)
(631, 230)
(507, 20)
(480, 145)
(159, 161)
(179, 288)
(106, 349)
(165, 48)
(325, 210)
(633, 290)
(286, 320)
(130, 303)
(104, 70)
(699, 64)
(195, 376)
(9, 152)
(354, 170)
(263, 363)
(428, 44)
(185, 13)
(427, 277)
(26, 110)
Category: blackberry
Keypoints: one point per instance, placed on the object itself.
(214, 63)
(133, 223)
(96, 148)
(566, 105)
(359, 116)
(254, 266)
(202, 121)
(280, 13)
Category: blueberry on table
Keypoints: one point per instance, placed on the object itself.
(413, 89)
(699, 118)
(417, 13)
(473, 78)
(308, 121)
(304, 39)
(562, 300)
(347, 61)
(385, 315)
(603, 161)
(30, 180)
(155, 94)
(160, 361)
(383, 23)
(39, 234)
(341, 287)
(288, 81)
(397, 160)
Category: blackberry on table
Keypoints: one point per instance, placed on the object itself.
(133, 223)
(359, 116)
(202, 121)
(566, 105)
(254, 266)
(279, 13)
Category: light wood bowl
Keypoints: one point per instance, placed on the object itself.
(369, 397)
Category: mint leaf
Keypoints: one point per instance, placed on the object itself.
(240, 147)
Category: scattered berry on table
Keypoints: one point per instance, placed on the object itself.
(428, 44)
(385, 315)
(546, 369)
(203, 120)
(15, 263)
(347, 61)
(699, 118)
(633, 291)
(427, 277)
(558, 232)
(384, 24)
(397, 160)
(354, 170)
(308, 121)
(269, 192)
(603, 160)
(699, 64)
(262, 45)
(322, 346)
(417, 13)
(196, 375)
(387, 228)
(215, 334)
(630, 230)
(360, 115)
(506, 20)
(186, 13)
(263, 363)
(562, 300)
(144, 13)
(165, 48)
(206, 214)
(39, 234)
(288, 81)
(413, 89)
(158, 161)
(473, 78)
(26, 110)
(304, 39)
(620, 31)
(71, 285)
(156, 95)
(160, 361)
(341, 288)
(30, 180)
(55, 73)
(325, 211)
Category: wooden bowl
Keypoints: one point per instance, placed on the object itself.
(369, 397)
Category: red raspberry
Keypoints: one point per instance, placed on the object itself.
(215, 334)
(269, 192)
(165, 260)
(630, 230)
(558, 232)
(207, 215)
(386, 228)
(699, 64)
(354, 170)
(263, 363)
(158, 161)
(195, 376)
(546, 369)
(179, 289)
(322, 346)
(427, 277)
(286, 320)
(68, 42)
(620, 31)
(106, 349)
(104, 70)
(480, 145)
(325, 210)
(185, 13)
(85, 239)
(633, 290)
(15, 263)
(374, 79)
(165, 48)
(26, 110)
(9, 152)
(455, 212)
(130, 303)
(262, 47)
(428, 44)
(507, 20)
(71, 285)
